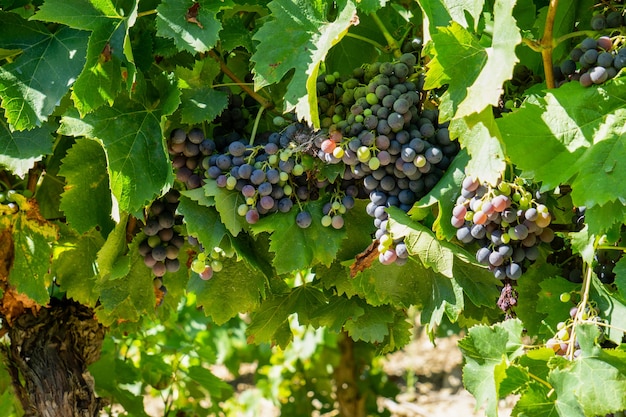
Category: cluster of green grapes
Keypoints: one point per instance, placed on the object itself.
(205, 264)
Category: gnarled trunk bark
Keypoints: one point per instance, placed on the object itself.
(48, 358)
(350, 399)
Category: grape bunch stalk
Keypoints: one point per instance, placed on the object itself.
(506, 222)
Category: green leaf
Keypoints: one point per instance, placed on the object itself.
(32, 86)
(196, 33)
(269, 319)
(620, 277)
(310, 37)
(474, 74)
(534, 401)
(202, 222)
(296, 248)
(20, 150)
(372, 326)
(574, 145)
(201, 104)
(370, 6)
(108, 48)
(548, 301)
(235, 289)
(336, 312)
(235, 34)
(33, 252)
(442, 12)
(226, 203)
(309, 299)
(128, 298)
(113, 251)
(487, 351)
(612, 308)
(132, 138)
(86, 201)
(216, 387)
(479, 134)
(74, 268)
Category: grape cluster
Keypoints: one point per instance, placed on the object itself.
(507, 222)
(562, 256)
(233, 118)
(278, 175)
(205, 264)
(162, 243)
(593, 61)
(187, 150)
(378, 129)
(608, 19)
(561, 341)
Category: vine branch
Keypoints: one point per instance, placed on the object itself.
(547, 44)
(393, 44)
(244, 86)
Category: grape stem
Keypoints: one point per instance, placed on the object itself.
(244, 86)
(368, 40)
(393, 45)
(547, 44)
(146, 13)
(256, 125)
(578, 318)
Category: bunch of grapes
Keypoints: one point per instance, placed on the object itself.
(395, 150)
(562, 256)
(507, 223)
(162, 243)
(593, 61)
(277, 175)
(205, 264)
(187, 150)
(233, 118)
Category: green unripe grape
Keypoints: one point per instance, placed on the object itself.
(2, 197)
(386, 241)
(363, 154)
(287, 190)
(509, 105)
(338, 152)
(342, 209)
(154, 241)
(335, 206)
(10, 195)
(216, 253)
(283, 176)
(524, 202)
(217, 265)
(231, 182)
(336, 75)
(420, 161)
(336, 118)
(359, 118)
(198, 266)
(517, 196)
(504, 188)
(273, 160)
(298, 170)
(371, 99)
(202, 256)
(330, 79)
(374, 163)
(367, 112)
(505, 238)
(565, 297)
(242, 209)
(561, 325)
(249, 202)
(326, 220)
(278, 121)
(285, 155)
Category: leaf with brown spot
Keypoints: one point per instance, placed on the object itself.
(192, 15)
(364, 259)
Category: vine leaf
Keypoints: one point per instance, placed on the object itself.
(310, 37)
(109, 50)
(74, 266)
(479, 134)
(32, 240)
(19, 150)
(296, 248)
(202, 222)
(226, 203)
(32, 86)
(574, 145)
(474, 73)
(237, 288)
(595, 383)
(193, 26)
(487, 351)
(132, 138)
(372, 326)
(86, 200)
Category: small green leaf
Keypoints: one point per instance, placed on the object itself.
(202, 222)
(200, 104)
(269, 319)
(334, 314)
(226, 203)
(216, 387)
(372, 326)
(86, 200)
